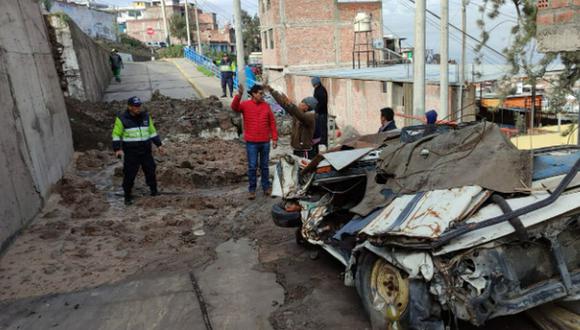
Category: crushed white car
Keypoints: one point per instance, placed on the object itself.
(439, 220)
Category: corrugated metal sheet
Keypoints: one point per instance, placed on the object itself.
(404, 73)
(425, 214)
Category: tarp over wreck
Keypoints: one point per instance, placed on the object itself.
(475, 155)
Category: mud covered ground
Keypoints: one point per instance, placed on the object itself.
(85, 237)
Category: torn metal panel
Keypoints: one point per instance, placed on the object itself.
(426, 214)
(286, 178)
(416, 264)
(564, 204)
(341, 159)
(549, 184)
(355, 225)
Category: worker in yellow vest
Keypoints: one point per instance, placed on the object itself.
(227, 69)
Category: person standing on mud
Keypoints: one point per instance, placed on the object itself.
(133, 135)
(259, 129)
(116, 64)
(227, 69)
(303, 123)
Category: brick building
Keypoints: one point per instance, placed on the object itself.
(310, 34)
(151, 19)
(558, 25)
(355, 96)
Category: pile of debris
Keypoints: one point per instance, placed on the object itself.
(92, 122)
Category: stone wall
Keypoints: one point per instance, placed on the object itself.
(85, 64)
(95, 23)
(35, 137)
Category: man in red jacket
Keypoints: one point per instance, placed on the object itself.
(259, 128)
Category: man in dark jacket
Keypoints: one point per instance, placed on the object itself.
(259, 129)
(387, 120)
(133, 135)
(303, 122)
(116, 64)
(321, 131)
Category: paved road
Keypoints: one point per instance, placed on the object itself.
(142, 78)
(229, 294)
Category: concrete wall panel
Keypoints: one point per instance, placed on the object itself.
(95, 23)
(35, 137)
(85, 63)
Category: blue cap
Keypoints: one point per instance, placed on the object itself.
(134, 101)
(315, 81)
(431, 116)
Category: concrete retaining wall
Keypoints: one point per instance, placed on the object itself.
(95, 23)
(35, 137)
(85, 63)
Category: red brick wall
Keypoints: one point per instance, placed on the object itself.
(558, 25)
(315, 32)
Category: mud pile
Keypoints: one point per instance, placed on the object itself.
(195, 162)
(92, 122)
(82, 196)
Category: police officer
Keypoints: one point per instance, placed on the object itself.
(133, 134)
(227, 69)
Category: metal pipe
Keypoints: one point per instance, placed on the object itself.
(419, 60)
(444, 60)
(187, 23)
(198, 34)
(165, 30)
(463, 57)
(239, 43)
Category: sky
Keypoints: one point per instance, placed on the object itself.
(398, 19)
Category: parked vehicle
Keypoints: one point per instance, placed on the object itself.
(433, 221)
(156, 44)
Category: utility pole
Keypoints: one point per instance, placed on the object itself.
(444, 60)
(419, 60)
(187, 23)
(198, 34)
(464, 4)
(165, 22)
(239, 43)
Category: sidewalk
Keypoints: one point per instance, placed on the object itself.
(142, 78)
(205, 86)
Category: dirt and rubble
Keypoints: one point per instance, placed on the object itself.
(85, 237)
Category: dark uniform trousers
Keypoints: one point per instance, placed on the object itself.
(131, 164)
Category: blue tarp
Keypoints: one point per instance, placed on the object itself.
(546, 166)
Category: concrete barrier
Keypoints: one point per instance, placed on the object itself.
(35, 137)
(85, 64)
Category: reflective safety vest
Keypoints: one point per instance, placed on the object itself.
(134, 133)
(227, 67)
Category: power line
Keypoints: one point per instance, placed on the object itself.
(453, 37)
(463, 32)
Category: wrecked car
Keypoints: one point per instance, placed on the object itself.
(434, 223)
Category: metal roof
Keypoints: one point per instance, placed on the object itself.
(404, 73)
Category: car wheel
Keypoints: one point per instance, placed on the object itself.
(384, 291)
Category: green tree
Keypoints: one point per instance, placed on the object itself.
(178, 27)
(522, 56)
(251, 33)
